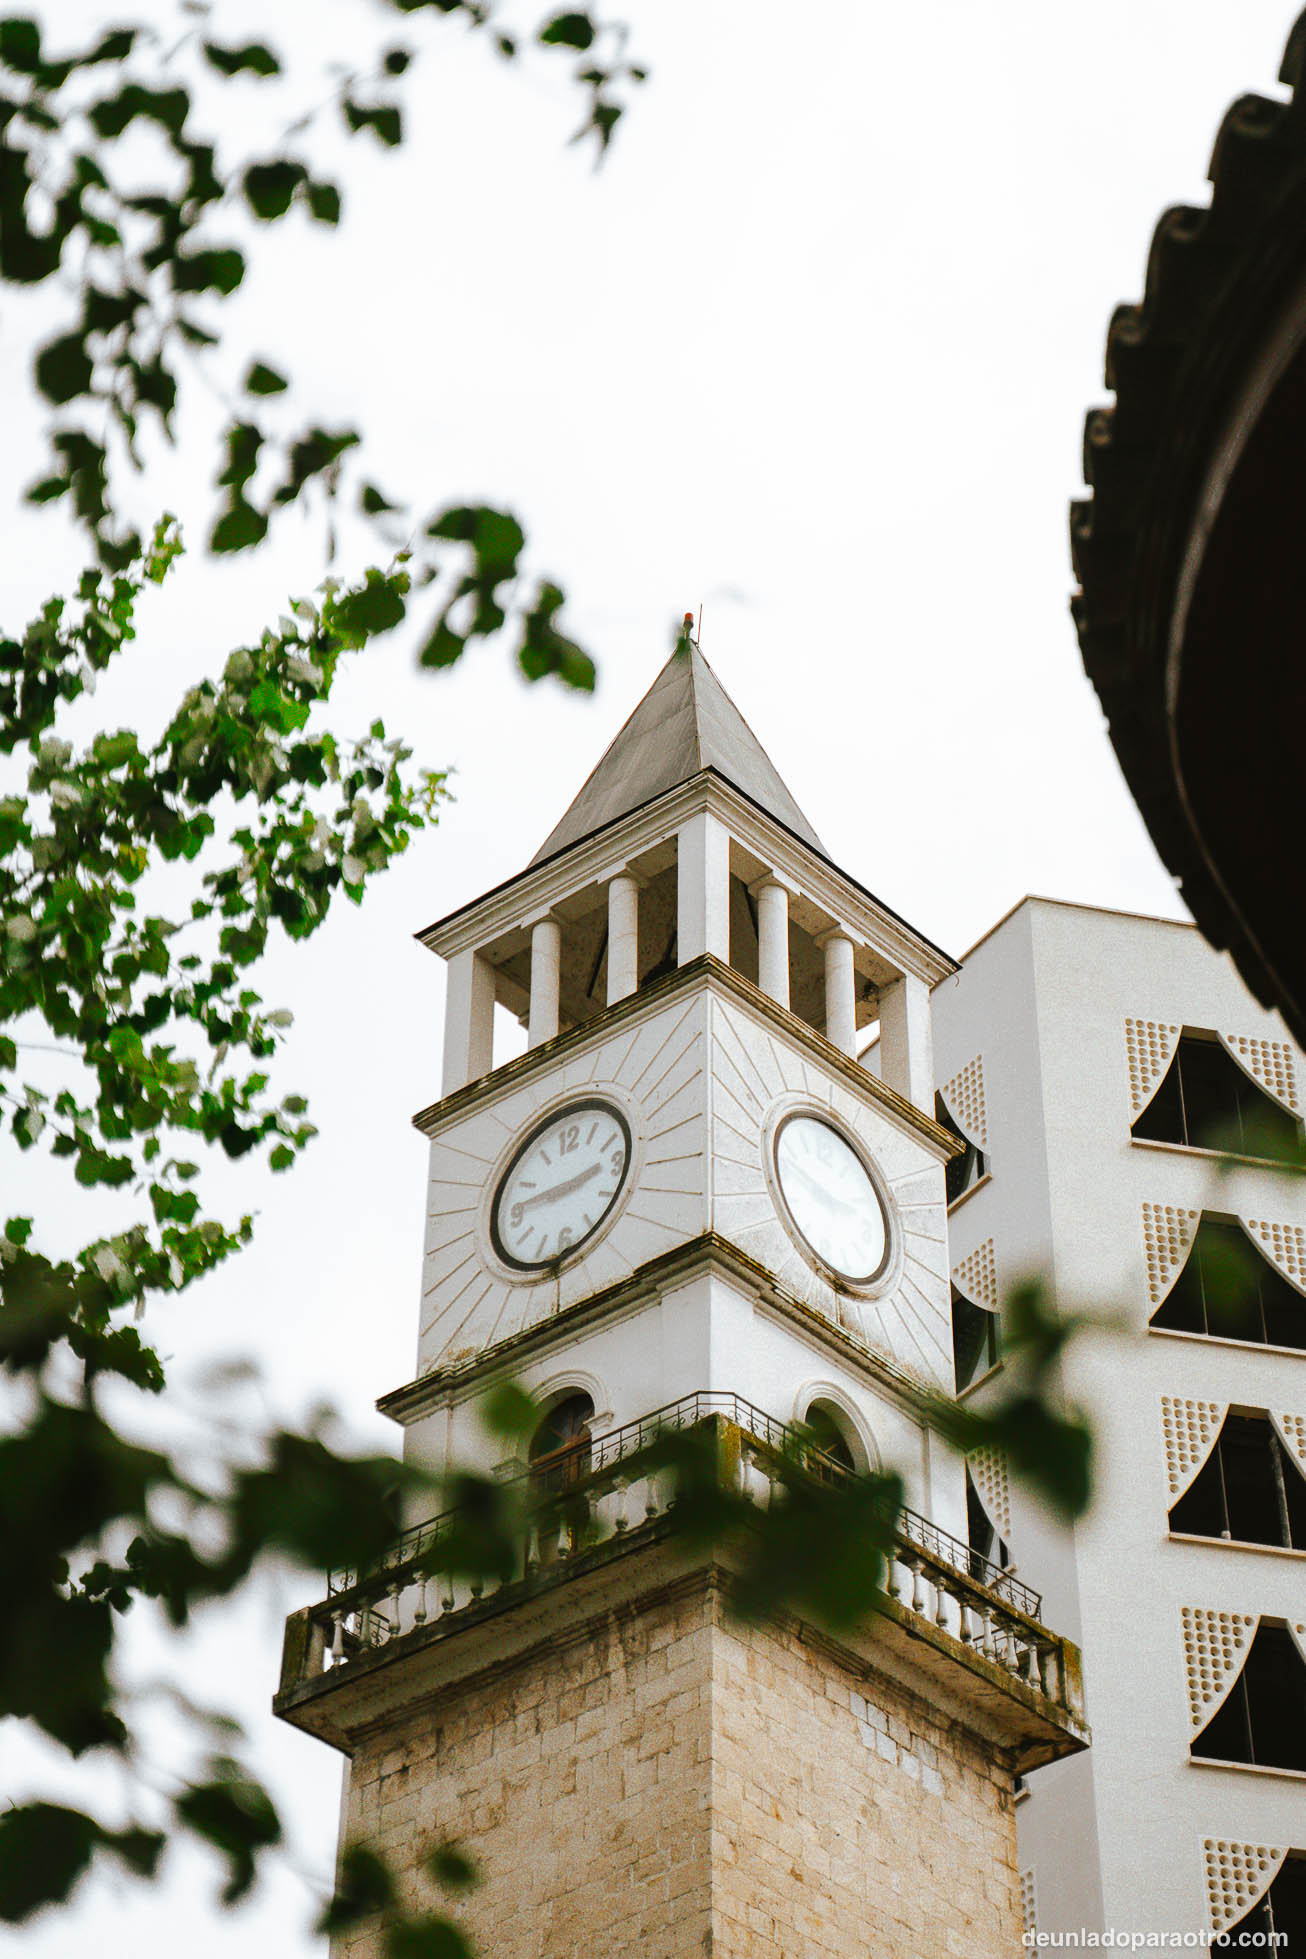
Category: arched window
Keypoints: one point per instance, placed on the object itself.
(1207, 1102)
(828, 1428)
(1228, 1291)
(560, 1447)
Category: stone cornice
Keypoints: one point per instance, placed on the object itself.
(705, 1254)
(511, 905)
(706, 973)
(626, 1577)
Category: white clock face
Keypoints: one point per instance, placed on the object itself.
(831, 1198)
(560, 1186)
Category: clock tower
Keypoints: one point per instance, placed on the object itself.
(711, 1190)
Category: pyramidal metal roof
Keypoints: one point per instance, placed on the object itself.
(685, 723)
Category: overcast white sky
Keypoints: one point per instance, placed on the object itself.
(813, 349)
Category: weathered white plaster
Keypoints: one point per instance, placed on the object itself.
(906, 1040)
(468, 1021)
(703, 888)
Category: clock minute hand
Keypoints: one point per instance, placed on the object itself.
(563, 1189)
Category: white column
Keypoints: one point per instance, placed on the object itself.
(468, 1021)
(772, 938)
(702, 889)
(623, 936)
(840, 992)
(906, 1041)
(546, 963)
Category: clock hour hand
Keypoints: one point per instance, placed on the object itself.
(819, 1190)
(561, 1190)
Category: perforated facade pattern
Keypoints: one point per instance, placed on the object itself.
(1214, 1645)
(1190, 1429)
(1238, 1875)
(1284, 1245)
(964, 1095)
(1149, 1047)
(1028, 1902)
(1292, 1428)
(1270, 1064)
(1168, 1234)
(988, 1472)
(977, 1277)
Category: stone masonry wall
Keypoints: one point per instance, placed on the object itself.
(669, 1784)
(579, 1782)
(847, 1818)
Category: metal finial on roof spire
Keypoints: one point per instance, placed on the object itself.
(685, 723)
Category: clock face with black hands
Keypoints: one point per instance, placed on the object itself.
(560, 1186)
(833, 1205)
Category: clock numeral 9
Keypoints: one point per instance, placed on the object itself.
(515, 1216)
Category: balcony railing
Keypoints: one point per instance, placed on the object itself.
(615, 1491)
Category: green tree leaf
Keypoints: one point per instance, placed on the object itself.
(234, 1814)
(263, 380)
(323, 201)
(44, 1850)
(364, 1886)
(253, 58)
(568, 30)
(218, 271)
(64, 369)
(269, 187)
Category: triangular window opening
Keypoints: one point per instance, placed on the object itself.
(1229, 1291)
(1249, 1490)
(964, 1171)
(1279, 1917)
(1207, 1102)
(975, 1340)
(1262, 1719)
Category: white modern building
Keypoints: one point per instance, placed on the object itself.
(1124, 1101)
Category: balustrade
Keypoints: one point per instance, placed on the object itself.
(930, 1576)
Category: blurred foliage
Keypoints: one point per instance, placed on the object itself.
(139, 885)
(1046, 1443)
